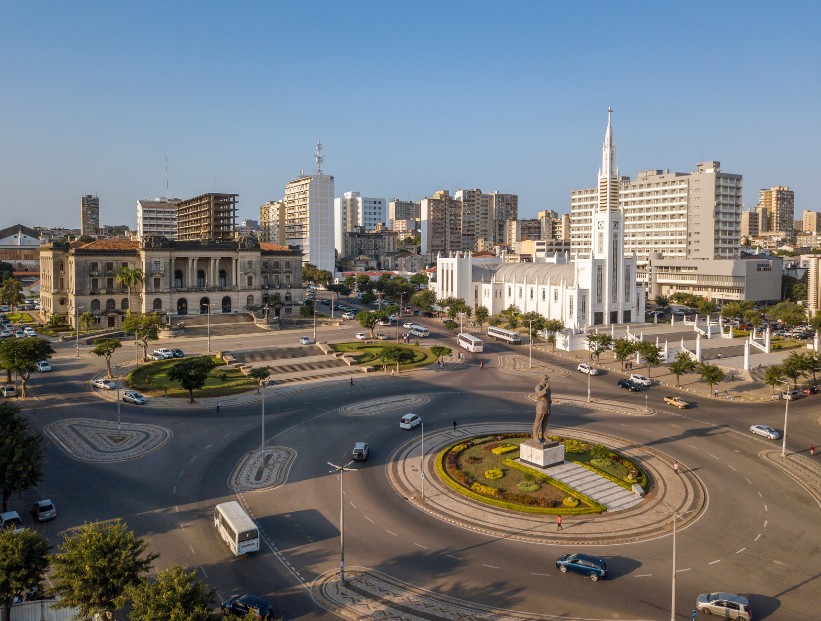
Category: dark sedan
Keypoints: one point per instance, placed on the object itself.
(629, 385)
(241, 605)
(584, 564)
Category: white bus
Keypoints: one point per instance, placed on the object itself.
(504, 335)
(469, 342)
(236, 527)
(419, 331)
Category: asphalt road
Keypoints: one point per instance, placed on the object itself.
(757, 536)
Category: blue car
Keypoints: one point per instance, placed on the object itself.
(583, 564)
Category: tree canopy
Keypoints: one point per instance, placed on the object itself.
(22, 356)
(145, 328)
(192, 373)
(105, 348)
(174, 595)
(24, 560)
(21, 460)
(11, 293)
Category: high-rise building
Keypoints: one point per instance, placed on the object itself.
(89, 215)
(811, 221)
(814, 285)
(779, 203)
(354, 212)
(309, 216)
(693, 215)
(403, 210)
(207, 217)
(521, 230)
(248, 228)
(157, 217)
(272, 222)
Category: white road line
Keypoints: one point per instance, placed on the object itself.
(760, 495)
(353, 505)
(731, 468)
(713, 456)
(765, 523)
(176, 509)
(193, 459)
(532, 573)
(227, 435)
(182, 472)
(246, 426)
(204, 573)
(391, 533)
(208, 447)
(369, 519)
(174, 490)
(192, 548)
(692, 445)
(643, 576)
(757, 537)
(458, 558)
(765, 507)
(741, 550)
(491, 566)
(748, 481)
(678, 571)
(419, 545)
(714, 562)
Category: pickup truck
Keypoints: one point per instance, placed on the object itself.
(677, 402)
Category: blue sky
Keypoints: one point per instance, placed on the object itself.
(406, 97)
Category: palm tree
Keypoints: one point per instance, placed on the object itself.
(129, 277)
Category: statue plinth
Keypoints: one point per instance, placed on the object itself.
(541, 454)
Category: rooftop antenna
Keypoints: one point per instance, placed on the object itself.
(167, 195)
(318, 158)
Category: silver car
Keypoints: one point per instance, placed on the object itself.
(766, 431)
(725, 605)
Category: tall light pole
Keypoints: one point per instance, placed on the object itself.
(117, 380)
(675, 516)
(530, 352)
(77, 327)
(589, 373)
(786, 413)
(262, 390)
(208, 308)
(314, 305)
(422, 462)
(340, 470)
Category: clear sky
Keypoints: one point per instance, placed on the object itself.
(406, 98)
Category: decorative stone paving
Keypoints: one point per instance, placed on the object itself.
(388, 404)
(262, 469)
(522, 365)
(88, 439)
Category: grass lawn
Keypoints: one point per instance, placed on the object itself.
(20, 317)
(368, 353)
(152, 379)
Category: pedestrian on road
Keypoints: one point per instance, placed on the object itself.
(694, 615)
(454, 425)
(351, 380)
(218, 407)
(558, 522)
(675, 467)
(812, 450)
(482, 364)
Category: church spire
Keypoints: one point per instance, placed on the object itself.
(608, 165)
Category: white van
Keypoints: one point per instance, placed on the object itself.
(419, 331)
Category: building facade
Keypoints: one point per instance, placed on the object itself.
(207, 217)
(811, 222)
(20, 246)
(89, 215)
(309, 219)
(403, 210)
(353, 211)
(778, 203)
(157, 217)
(814, 285)
(179, 277)
(272, 222)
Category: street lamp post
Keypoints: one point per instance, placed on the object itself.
(422, 462)
(262, 390)
(530, 352)
(340, 470)
(590, 368)
(117, 380)
(208, 308)
(786, 413)
(77, 327)
(675, 516)
(314, 305)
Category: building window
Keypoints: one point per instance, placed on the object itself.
(178, 279)
(276, 265)
(95, 267)
(156, 266)
(95, 305)
(95, 284)
(157, 283)
(288, 265)
(124, 304)
(110, 305)
(157, 304)
(109, 283)
(250, 281)
(509, 291)
(570, 305)
(599, 283)
(544, 295)
(109, 266)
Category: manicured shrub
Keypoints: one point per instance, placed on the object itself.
(571, 502)
(485, 490)
(528, 486)
(503, 449)
(494, 473)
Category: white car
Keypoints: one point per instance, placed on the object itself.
(408, 325)
(164, 352)
(305, 340)
(640, 380)
(766, 431)
(155, 356)
(348, 315)
(8, 391)
(43, 366)
(409, 421)
(361, 336)
(586, 368)
(104, 384)
(132, 396)
(29, 331)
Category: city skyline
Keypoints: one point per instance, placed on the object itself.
(406, 101)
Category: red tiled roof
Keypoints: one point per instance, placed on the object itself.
(108, 244)
(276, 247)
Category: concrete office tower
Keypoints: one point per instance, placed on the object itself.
(750, 224)
(157, 217)
(403, 210)
(779, 203)
(207, 217)
(503, 208)
(554, 226)
(89, 215)
(272, 222)
(356, 212)
(309, 217)
(811, 222)
(693, 215)
(521, 230)
(814, 285)
(441, 224)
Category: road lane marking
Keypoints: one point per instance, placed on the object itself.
(182, 472)
(369, 519)
(765, 507)
(765, 523)
(713, 456)
(192, 548)
(678, 571)
(757, 537)
(391, 533)
(353, 505)
(174, 490)
(193, 459)
(208, 447)
(227, 435)
(760, 495)
(419, 545)
(731, 468)
(714, 562)
(491, 566)
(533, 573)
(176, 509)
(741, 550)
(643, 576)
(748, 481)
(458, 558)
(204, 573)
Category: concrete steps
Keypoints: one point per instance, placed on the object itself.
(600, 489)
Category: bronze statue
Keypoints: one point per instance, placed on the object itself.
(543, 402)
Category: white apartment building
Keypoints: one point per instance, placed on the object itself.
(693, 215)
(157, 217)
(354, 212)
(309, 219)
(272, 222)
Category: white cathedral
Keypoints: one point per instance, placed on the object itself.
(594, 291)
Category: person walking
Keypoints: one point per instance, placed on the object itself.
(454, 425)
(482, 364)
(812, 450)
(218, 407)
(558, 522)
(675, 467)
(351, 380)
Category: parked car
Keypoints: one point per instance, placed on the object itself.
(629, 385)
(18, 333)
(29, 331)
(408, 325)
(787, 395)
(104, 384)
(640, 380)
(810, 390)
(766, 431)
(43, 366)
(8, 391)
(241, 605)
(155, 356)
(305, 340)
(725, 605)
(4, 334)
(348, 315)
(586, 368)
(409, 421)
(132, 396)
(361, 336)
(164, 352)
(43, 510)
(584, 564)
(677, 402)
(178, 353)
(11, 520)
(360, 451)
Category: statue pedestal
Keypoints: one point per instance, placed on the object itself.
(541, 454)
